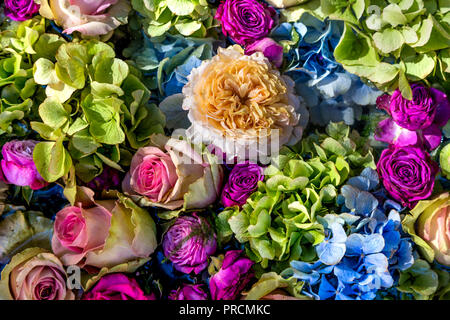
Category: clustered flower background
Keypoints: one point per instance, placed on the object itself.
(96, 178)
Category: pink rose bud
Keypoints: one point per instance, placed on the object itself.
(270, 48)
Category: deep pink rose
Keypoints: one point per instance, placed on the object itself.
(18, 166)
(242, 182)
(21, 10)
(270, 48)
(414, 123)
(407, 173)
(189, 292)
(188, 243)
(232, 277)
(117, 286)
(246, 21)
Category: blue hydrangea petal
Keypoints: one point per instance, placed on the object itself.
(373, 243)
(354, 244)
(365, 203)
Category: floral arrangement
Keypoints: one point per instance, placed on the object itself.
(224, 150)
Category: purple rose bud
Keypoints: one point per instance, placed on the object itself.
(270, 48)
(21, 10)
(246, 21)
(420, 112)
(17, 166)
(189, 292)
(407, 173)
(188, 243)
(232, 277)
(242, 182)
(108, 179)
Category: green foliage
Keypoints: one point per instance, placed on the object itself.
(278, 223)
(20, 46)
(96, 110)
(425, 282)
(389, 42)
(191, 18)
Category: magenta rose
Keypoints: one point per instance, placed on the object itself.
(246, 21)
(242, 182)
(21, 10)
(407, 173)
(189, 292)
(188, 243)
(117, 286)
(417, 122)
(414, 114)
(270, 48)
(232, 277)
(18, 166)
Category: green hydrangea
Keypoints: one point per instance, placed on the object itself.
(20, 46)
(96, 111)
(444, 160)
(425, 282)
(389, 42)
(278, 223)
(191, 18)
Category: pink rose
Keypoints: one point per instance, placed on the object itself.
(18, 166)
(102, 233)
(173, 174)
(153, 174)
(89, 17)
(34, 274)
(117, 286)
(270, 48)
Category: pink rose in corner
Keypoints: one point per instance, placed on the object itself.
(34, 274)
(270, 48)
(117, 286)
(90, 18)
(18, 166)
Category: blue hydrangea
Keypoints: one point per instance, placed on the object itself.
(364, 246)
(167, 61)
(331, 93)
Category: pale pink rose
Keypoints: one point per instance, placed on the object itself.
(103, 233)
(173, 174)
(89, 17)
(34, 274)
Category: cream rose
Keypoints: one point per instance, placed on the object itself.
(241, 104)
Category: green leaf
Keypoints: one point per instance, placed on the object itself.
(393, 15)
(53, 113)
(181, 7)
(404, 86)
(388, 40)
(355, 49)
(52, 160)
(420, 66)
(22, 230)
